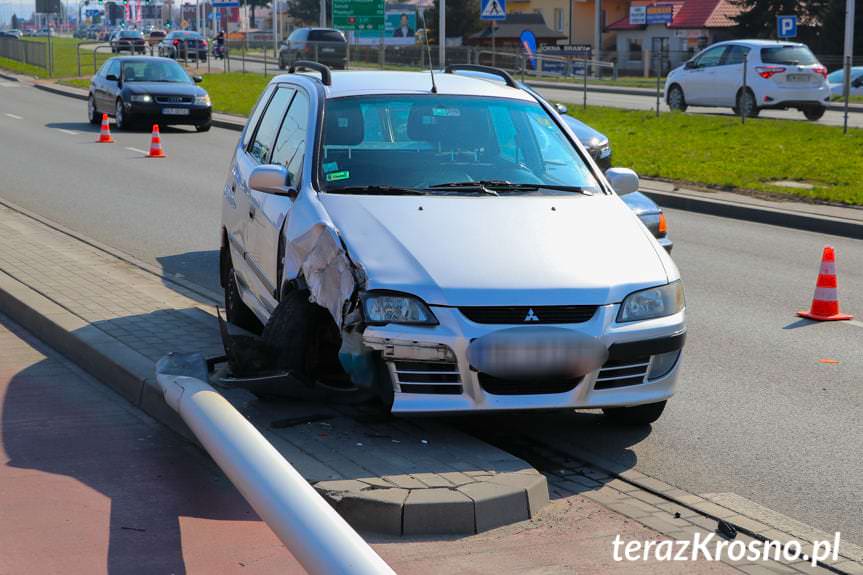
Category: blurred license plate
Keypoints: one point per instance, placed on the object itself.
(175, 111)
(328, 50)
(798, 77)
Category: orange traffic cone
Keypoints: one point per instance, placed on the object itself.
(825, 303)
(105, 134)
(156, 150)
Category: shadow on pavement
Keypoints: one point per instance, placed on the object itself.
(53, 422)
(200, 268)
(78, 126)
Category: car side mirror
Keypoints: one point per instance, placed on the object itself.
(623, 180)
(272, 179)
(561, 109)
(198, 79)
(690, 65)
(112, 78)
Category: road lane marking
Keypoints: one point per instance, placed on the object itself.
(13, 116)
(137, 150)
(70, 132)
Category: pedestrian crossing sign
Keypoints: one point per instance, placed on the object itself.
(493, 10)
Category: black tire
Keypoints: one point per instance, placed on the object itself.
(635, 415)
(814, 113)
(204, 127)
(676, 100)
(236, 311)
(282, 64)
(92, 112)
(289, 332)
(120, 122)
(746, 104)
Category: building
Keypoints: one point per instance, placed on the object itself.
(507, 32)
(575, 19)
(676, 30)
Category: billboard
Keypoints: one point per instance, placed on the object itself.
(49, 6)
(400, 27)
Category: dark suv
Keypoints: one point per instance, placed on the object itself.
(183, 45)
(325, 45)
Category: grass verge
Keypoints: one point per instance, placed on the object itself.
(65, 59)
(721, 152)
(235, 92)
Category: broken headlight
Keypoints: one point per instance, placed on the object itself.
(380, 308)
(652, 303)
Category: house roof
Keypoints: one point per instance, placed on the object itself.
(693, 14)
(516, 23)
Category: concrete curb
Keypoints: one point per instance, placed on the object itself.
(759, 214)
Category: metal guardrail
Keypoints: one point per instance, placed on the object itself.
(315, 534)
(97, 45)
(27, 52)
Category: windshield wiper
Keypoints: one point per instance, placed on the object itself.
(376, 190)
(495, 186)
(481, 186)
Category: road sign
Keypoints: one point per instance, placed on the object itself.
(226, 4)
(493, 10)
(786, 26)
(359, 15)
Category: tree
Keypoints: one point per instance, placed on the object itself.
(757, 18)
(308, 11)
(462, 18)
(833, 44)
(252, 4)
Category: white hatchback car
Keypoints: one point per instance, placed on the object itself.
(447, 247)
(779, 75)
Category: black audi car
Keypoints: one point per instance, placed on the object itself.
(139, 89)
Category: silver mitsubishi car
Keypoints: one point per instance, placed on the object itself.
(445, 243)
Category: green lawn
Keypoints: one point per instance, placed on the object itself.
(721, 152)
(234, 93)
(65, 60)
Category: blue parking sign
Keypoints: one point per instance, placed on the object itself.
(492, 10)
(786, 26)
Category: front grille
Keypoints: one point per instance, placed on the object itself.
(529, 315)
(622, 372)
(442, 378)
(498, 386)
(174, 99)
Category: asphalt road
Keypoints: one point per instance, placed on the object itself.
(757, 412)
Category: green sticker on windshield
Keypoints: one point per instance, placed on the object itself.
(331, 167)
(336, 176)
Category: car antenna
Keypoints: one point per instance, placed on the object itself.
(428, 48)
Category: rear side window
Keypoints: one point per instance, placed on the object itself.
(298, 35)
(325, 36)
(788, 55)
(271, 121)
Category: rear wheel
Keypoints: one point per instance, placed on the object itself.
(203, 127)
(814, 113)
(746, 104)
(282, 63)
(676, 101)
(92, 113)
(635, 415)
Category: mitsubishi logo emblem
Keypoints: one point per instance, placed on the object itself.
(531, 316)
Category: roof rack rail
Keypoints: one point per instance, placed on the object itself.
(510, 81)
(326, 77)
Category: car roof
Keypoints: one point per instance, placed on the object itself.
(356, 83)
(759, 43)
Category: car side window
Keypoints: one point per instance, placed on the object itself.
(291, 142)
(734, 55)
(256, 115)
(710, 58)
(114, 68)
(265, 136)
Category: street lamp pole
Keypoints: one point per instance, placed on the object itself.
(442, 33)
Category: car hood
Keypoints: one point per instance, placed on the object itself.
(585, 134)
(516, 250)
(164, 88)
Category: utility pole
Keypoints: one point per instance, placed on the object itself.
(849, 55)
(597, 40)
(323, 21)
(442, 33)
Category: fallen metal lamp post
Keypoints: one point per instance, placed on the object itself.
(314, 532)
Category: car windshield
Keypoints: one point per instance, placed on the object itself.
(788, 55)
(154, 71)
(131, 34)
(427, 142)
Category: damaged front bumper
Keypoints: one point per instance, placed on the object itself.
(430, 371)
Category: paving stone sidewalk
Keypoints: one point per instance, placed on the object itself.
(384, 474)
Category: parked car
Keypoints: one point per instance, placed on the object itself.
(11, 34)
(449, 251)
(147, 90)
(155, 36)
(44, 33)
(325, 45)
(779, 75)
(836, 81)
(131, 41)
(183, 44)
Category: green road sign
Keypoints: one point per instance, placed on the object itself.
(358, 15)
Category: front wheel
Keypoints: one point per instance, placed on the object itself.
(92, 112)
(814, 113)
(635, 415)
(120, 121)
(676, 100)
(203, 127)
